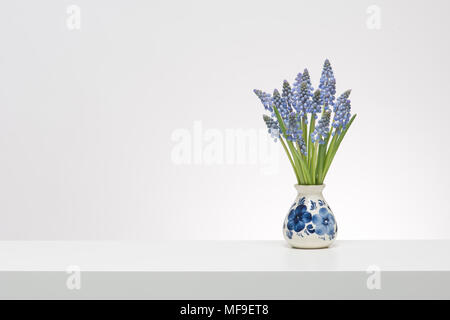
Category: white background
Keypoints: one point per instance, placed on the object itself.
(87, 117)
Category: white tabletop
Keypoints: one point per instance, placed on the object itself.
(416, 255)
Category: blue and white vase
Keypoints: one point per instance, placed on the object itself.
(310, 223)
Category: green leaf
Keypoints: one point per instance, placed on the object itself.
(336, 146)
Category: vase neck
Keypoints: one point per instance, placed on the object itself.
(309, 189)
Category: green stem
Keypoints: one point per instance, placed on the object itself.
(314, 162)
(290, 160)
(321, 157)
(310, 144)
(329, 152)
(299, 149)
(304, 131)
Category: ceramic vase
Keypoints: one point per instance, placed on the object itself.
(310, 223)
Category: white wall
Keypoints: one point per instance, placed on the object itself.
(88, 117)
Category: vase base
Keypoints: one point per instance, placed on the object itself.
(309, 244)
(310, 247)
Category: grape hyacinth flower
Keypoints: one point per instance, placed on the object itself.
(281, 104)
(303, 99)
(292, 120)
(327, 85)
(296, 91)
(302, 146)
(316, 104)
(304, 94)
(342, 111)
(293, 128)
(307, 78)
(322, 129)
(297, 82)
(265, 98)
(294, 132)
(287, 92)
(272, 126)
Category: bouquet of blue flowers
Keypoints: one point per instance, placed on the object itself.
(310, 141)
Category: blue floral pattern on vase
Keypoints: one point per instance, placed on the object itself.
(289, 234)
(298, 218)
(324, 222)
